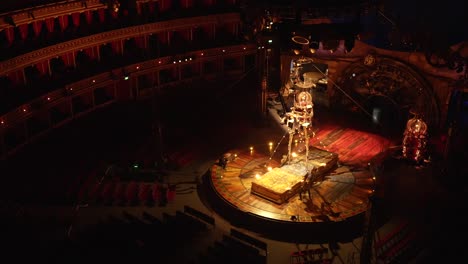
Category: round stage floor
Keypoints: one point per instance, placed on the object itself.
(336, 206)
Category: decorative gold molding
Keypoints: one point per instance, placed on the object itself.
(17, 115)
(51, 10)
(33, 57)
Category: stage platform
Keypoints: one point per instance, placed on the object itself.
(342, 194)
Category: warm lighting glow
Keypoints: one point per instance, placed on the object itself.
(257, 176)
(137, 67)
(269, 168)
(2, 122)
(202, 54)
(159, 62)
(294, 154)
(94, 81)
(251, 148)
(24, 110)
(48, 98)
(415, 139)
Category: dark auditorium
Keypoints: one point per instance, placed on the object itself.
(234, 131)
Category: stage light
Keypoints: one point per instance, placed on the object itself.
(376, 115)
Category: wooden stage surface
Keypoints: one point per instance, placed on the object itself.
(342, 194)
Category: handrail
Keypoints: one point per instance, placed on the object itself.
(53, 51)
(24, 110)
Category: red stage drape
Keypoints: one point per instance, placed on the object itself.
(63, 20)
(16, 77)
(187, 3)
(102, 15)
(115, 15)
(50, 24)
(152, 6)
(162, 37)
(164, 5)
(76, 19)
(37, 26)
(116, 47)
(23, 29)
(89, 17)
(10, 34)
(208, 30)
(67, 59)
(91, 52)
(207, 2)
(140, 42)
(43, 67)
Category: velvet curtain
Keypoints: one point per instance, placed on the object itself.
(76, 19)
(43, 67)
(140, 42)
(165, 5)
(117, 47)
(49, 22)
(63, 21)
(10, 34)
(23, 30)
(37, 27)
(16, 77)
(68, 59)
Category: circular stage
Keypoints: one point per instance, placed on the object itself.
(335, 208)
(342, 194)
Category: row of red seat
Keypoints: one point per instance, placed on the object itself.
(127, 193)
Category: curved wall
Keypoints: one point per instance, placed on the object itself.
(140, 60)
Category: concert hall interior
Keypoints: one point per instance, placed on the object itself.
(234, 131)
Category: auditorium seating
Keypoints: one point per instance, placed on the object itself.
(49, 85)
